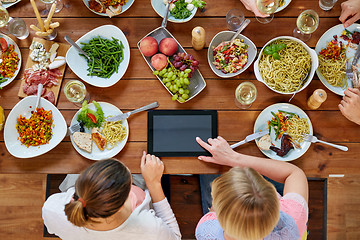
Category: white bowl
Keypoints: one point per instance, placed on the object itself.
(314, 63)
(123, 8)
(226, 36)
(24, 108)
(160, 8)
(78, 64)
(17, 50)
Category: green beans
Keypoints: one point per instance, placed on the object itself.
(106, 56)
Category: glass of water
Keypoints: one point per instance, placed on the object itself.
(48, 3)
(245, 95)
(307, 23)
(326, 5)
(18, 28)
(234, 19)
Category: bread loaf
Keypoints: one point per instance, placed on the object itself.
(83, 141)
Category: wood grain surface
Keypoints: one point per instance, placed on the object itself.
(139, 87)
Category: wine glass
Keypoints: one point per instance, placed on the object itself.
(245, 95)
(266, 7)
(48, 3)
(307, 23)
(75, 92)
(4, 17)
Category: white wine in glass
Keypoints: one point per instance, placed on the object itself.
(307, 23)
(4, 17)
(75, 91)
(245, 95)
(267, 7)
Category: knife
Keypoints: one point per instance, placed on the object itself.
(126, 115)
(250, 138)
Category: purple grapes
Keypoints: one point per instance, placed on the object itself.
(184, 61)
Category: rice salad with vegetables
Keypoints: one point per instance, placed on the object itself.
(231, 58)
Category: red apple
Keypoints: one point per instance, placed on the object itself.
(159, 61)
(148, 46)
(168, 46)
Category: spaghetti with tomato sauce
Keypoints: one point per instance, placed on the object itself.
(37, 130)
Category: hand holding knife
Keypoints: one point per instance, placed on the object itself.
(249, 138)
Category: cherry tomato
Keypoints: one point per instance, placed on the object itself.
(3, 44)
(92, 117)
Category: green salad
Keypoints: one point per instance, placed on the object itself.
(89, 117)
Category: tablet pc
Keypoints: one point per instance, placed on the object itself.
(172, 133)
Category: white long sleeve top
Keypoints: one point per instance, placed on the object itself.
(144, 223)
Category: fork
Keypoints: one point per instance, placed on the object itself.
(73, 128)
(313, 139)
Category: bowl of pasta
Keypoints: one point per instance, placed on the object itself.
(286, 65)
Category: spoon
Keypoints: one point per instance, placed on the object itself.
(242, 27)
(69, 40)
(40, 88)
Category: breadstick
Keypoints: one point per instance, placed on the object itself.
(54, 25)
(42, 34)
(35, 28)
(51, 12)
(46, 24)
(38, 17)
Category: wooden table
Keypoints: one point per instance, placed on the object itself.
(139, 87)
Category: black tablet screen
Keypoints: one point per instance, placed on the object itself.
(173, 132)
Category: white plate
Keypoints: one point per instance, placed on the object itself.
(287, 2)
(17, 50)
(226, 36)
(6, 5)
(160, 9)
(96, 153)
(78, 64)
(24, 108)
(123, 8)
(261, 123)
(327, 37)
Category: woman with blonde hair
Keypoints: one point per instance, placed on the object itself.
(105, 205)
(245, 205)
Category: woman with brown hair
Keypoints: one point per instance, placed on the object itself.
(245, 205)
(105, 205)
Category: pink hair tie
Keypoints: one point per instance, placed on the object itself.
(82, 202)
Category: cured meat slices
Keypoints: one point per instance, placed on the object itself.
(47, 78)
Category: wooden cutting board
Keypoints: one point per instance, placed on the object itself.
(61, 51)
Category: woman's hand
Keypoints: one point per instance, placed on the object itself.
(221, 151)
(152, 169)
(350, 12)
(251, 6)
(350, 105)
